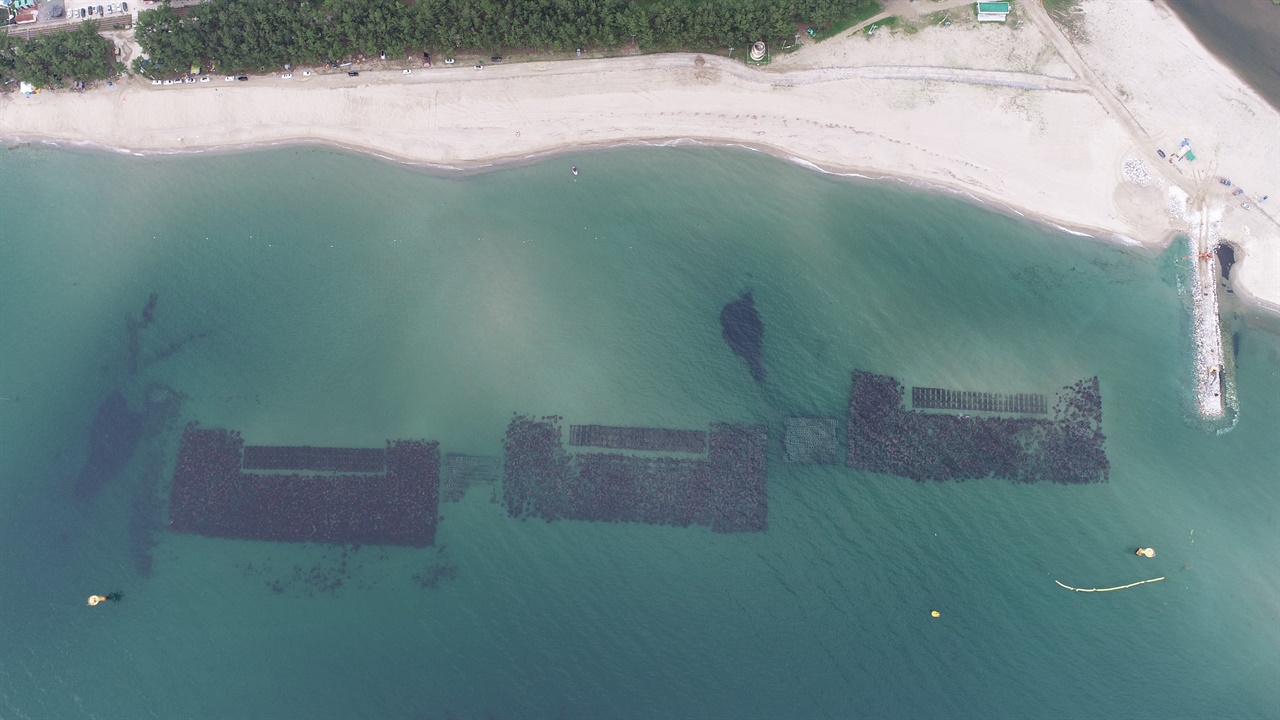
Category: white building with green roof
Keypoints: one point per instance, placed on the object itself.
(992, 11)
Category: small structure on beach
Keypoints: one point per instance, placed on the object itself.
(993, 11)
(757, 51)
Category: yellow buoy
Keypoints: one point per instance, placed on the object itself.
(1147, 552)
(95, 599)
(935, 613)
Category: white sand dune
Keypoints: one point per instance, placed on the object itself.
(1017, 115)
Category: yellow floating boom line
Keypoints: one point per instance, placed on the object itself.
(1122, 587)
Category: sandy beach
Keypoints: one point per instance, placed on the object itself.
(1062, 126)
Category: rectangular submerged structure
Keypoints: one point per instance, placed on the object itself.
(638, 438)
(943, 399)
(211, 495)
(463, 471)
(725, 491)
(885, 437)
(811, 441)
(321, 459)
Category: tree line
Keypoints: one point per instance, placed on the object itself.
(261, 35)
(58, 59)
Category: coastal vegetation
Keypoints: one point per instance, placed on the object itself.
(258, 35)
(58, 59)
(863, 13)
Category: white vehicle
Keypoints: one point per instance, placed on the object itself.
(155, 82)
(448, 61)
(205, 78)
(231, 78)
(287, 76)
(168, 82)
(406, 72)
(190, 81)
(307, 73)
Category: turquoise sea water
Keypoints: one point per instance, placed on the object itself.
(342, 300)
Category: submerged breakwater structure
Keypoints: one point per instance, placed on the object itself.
(885, 437)
(638, 438)
(323, 459)
(726, 491)
(942, 399)
(463, 471)
(211, 495)
(811, 441)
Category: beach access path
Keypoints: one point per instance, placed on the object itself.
(1019, 116)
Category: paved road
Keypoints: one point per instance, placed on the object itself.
(1002, 78)
(105, 23)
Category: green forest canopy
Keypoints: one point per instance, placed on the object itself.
(58, 59)
(259, 35)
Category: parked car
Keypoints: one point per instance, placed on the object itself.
(231, 78)
(496, 58)
(307, 73)
(100, 10)
(406, 72)
(352, 73)
(242, 78)
(205, 78)
(448, 61)
(168, 82)
(124, 7)
(155, 82)
(80, 13)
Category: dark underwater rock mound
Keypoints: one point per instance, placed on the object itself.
(743, 331)
(113, 436)
(159, 434)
